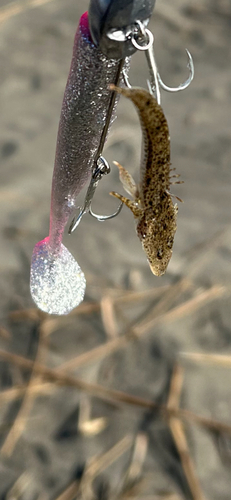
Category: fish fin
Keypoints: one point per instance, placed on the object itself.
(127, 181)
(137, 212)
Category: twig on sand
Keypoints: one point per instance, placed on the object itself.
(108, 317)
(114, 396)
(17, 392)
(70, 492)
(21, 418)
(177, 430)
(160, 314)
(95, 466)
(5, 333)
(222, 360)
(20, 485)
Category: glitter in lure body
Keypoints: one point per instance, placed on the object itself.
(152, 207)
(83, 116)
(57, 282)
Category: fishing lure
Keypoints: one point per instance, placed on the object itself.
(57, 283)
(152, 206)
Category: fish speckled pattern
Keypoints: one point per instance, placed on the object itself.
(152, 205)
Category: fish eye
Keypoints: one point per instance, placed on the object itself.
(159, 254)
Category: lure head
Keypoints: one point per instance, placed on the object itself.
(157, 235)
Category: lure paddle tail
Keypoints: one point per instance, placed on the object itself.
(57, 283)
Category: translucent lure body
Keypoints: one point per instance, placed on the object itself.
(57, 282)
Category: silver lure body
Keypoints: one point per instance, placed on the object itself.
(82, 120)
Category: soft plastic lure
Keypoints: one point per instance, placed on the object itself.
(57, 282)
(152, 205)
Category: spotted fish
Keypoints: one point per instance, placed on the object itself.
(152, 206)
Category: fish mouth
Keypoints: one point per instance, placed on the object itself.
(158, 270)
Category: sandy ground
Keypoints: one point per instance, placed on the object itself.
(50, 434)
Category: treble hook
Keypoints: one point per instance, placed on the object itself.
(102, 168)
(155, 81)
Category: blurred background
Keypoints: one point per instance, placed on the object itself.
(163, 343)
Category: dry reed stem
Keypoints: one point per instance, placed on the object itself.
(200, 250)
(96, 353)
(137, 330)
(19, 6)
(108, 316)
(193, 304)
(167, 496)
(177, 430)
(70, 492)
(200, 254)
(37, 315)
(176, 387)
(161, 310)
(86, 307)
(21, 418)
(188, 307)
(134, 296)
(19, 487)
(137, 460)
(157, 316)
(178, 434)
(121, 342)
(5, 333)
(133, 491)
(99, 463)
(222, 360)
(38, 389)
(48, 326)
(32, 314)
(114, 396)
(160, 316)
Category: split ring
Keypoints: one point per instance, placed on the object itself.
(149, 43)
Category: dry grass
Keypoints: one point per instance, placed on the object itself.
(43, 380)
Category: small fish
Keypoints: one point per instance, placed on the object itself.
(152, 206)
(57, 283)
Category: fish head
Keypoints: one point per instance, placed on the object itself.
(157, 237)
